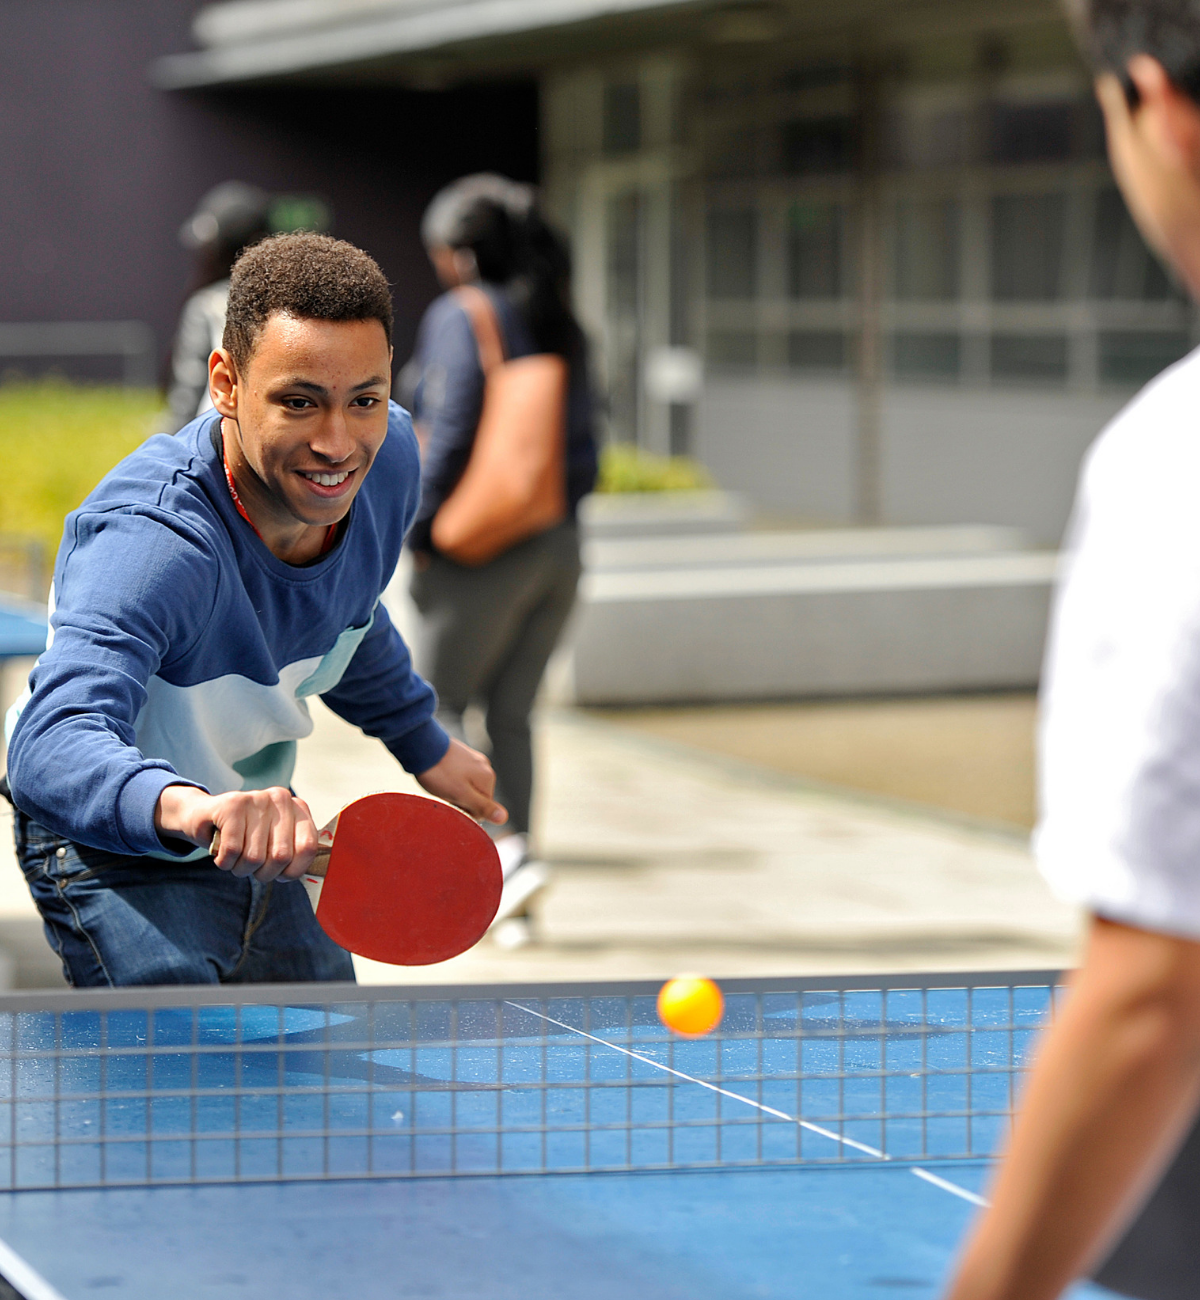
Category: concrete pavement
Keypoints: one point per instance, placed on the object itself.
(668, 860)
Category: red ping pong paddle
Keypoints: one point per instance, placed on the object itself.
(403, 879)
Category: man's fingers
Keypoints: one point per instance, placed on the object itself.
(305, 849)
(257, 845)
(265, 834)
(488, 809)
(282, 844)
(465, 778)
(231, 834)
(482, 806)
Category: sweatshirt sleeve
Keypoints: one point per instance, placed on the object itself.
(449, 400)
(381, 693)
(73, 761)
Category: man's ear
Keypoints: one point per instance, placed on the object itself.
(223, 383)
(1171, 116)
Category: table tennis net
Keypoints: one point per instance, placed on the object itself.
(335, 1083)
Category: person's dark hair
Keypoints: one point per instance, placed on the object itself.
(498, 222)
(230, 217)
(310, 277)
(1113, 31)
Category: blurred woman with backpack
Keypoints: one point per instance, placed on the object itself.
(499, 389)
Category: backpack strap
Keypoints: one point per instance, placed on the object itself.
(486, 328)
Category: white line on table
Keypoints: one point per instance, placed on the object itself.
(953, 1188)
(24, 1277)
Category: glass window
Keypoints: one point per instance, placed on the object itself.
(733, 152)
(732, 254)
(622, 117)
(736, 349)
(1027, 246)
(814, 250)
(925, 139)
(925, 356)
(927, 248)
(1136, 356)
(813, 76)
(818, 145)
(624, 313)
(1031, 133)
(624, 240)
(1122, 265)
(817, 350)
(1041, 358)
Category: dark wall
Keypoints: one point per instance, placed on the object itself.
(98, 169)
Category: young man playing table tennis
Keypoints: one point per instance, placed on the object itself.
(1117, 1079)
(210, 584)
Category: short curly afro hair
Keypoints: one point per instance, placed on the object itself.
(307, 276)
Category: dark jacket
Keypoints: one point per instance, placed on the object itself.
(443, 385)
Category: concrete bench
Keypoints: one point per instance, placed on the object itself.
(833, 626)
(835, 545)
(659, 514)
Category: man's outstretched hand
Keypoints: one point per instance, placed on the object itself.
(270, 834)
(465, 778)
(264, 833)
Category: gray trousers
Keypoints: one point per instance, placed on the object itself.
(486, 636)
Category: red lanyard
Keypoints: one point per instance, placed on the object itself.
(330, 532)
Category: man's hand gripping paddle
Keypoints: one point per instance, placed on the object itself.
(403, 879)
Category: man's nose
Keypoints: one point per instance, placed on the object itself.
(333, 441)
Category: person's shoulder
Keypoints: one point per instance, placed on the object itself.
(400, 449)
(158, 493)
(211, 297)
(165, 465)
(446, 324)
(142, 474)
(444, 306)
(397, 464)
(390, 492)
(1156, 429)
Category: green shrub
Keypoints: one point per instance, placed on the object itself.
(57, 440)
(625, 468)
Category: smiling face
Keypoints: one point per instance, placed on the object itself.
(304, 419)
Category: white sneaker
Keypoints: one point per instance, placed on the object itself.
(523, 878)
(512, 851)
(516, 932)
(525, 881)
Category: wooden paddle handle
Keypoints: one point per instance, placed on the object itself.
(320, 864)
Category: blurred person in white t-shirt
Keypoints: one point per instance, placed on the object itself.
(1116, 1082)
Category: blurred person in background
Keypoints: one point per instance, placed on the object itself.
(230, 217)
(1115, 1085)
(488, 630)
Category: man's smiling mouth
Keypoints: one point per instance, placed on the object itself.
(326, 480)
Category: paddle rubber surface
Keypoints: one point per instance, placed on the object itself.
(411, 881)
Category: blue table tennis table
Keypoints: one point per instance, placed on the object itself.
(830, 1140)
(22, 628)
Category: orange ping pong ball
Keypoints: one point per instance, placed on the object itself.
(690, 1004)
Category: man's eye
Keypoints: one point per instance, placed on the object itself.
(366, 401)
(297, 403)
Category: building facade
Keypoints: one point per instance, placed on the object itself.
(900, 254)
(866, 261)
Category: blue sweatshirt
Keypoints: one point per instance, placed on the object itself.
(180, 647)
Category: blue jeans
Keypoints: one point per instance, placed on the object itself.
(117, 920)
